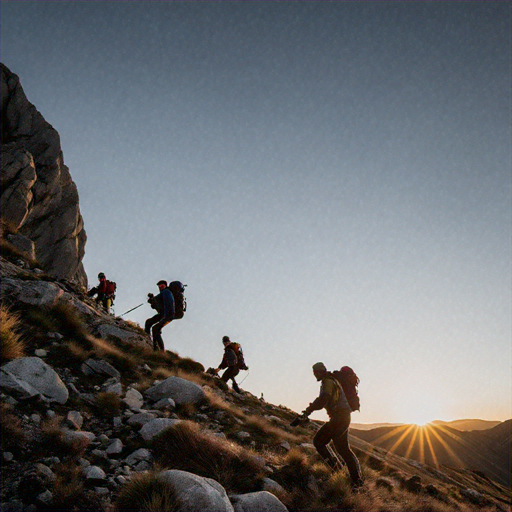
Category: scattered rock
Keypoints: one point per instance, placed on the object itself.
(98, 367)
(94, 474)
(133, 399)
(115, 448)
(166, 403)
(140, 419)
(196, 493)
(137, 456)
(385, 483)
(261, 501)
(75, 419)
(182, 391)
(156, 426)
(37, 375)
(413, 484)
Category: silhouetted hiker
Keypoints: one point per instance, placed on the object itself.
(164, 305)
(333, 399)
(105, 292)
(231, 362)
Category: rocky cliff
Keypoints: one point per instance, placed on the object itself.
(39, 201)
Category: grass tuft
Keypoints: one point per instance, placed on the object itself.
(108, 404)
(146, 492)
(11, 431)
(185, 447)
(12, 344)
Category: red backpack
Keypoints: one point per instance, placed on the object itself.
(110, 289)
(237, 349)
(349, 382)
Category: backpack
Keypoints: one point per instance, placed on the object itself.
(110, 289)
(237, 349)
(349, 382)
(180, 304)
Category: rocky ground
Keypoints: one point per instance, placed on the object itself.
(93, 419)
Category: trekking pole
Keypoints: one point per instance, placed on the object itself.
(132, 309)
(245, 377)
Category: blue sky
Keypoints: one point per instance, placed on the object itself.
(330, 179)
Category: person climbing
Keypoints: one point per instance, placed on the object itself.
(163, 303)
(229, 361)
(335, 402)
(105, 292)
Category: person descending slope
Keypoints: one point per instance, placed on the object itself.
(105, 292)
(333, 399)
(233, 360)
(163, 303)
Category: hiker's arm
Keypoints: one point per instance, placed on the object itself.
(92, 291)
(318, 403)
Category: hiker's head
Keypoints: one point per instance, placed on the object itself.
(101, 276)
(161, 284)
(319, 371)
(226, 340)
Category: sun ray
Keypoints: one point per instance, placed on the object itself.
(391, 433)
(401, 438)
(450, 452)
(431, 448)
(422, 445)
(411, 443)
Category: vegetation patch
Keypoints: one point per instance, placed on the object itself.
(12, 343)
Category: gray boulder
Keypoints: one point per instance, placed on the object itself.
(38, 195)
(182, 391)
(133, 399)
(154, 427)
(197, 494)
(98, 367)
(140, 419)
(142, 454)
(33, 293)
(117, 333)
(261, 501)
(38, 375)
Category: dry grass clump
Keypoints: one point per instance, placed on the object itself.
(146, 492)
(185, 447)
(190, 366)
(53, 438)
(11, 431)
(108, 404)
(13, 346)
(124, 360)
(69, 321)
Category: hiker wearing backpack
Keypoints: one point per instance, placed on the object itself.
(233, 360)
(333, 399)
(164, 305)
(105, 292)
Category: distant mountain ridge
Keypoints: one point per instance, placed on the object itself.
(487, 451)
(471, 424)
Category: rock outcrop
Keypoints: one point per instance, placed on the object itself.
(39, 201)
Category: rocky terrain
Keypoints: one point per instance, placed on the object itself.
(94, 420)
(39, 200)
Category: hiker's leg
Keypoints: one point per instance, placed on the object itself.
(236, 371)
(152, 321)
(229, 374)
(158, 342)
(321, 440)
(340, 440)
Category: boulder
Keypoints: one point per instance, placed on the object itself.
(272, 486)
(197, 494)
(142, 454)
(261, 501)
(154, 427)
(115, 448)
(98, 367)
(182, 391)
(133, 399)
(38, 195)
(32, 293)
(140, 419)
(118, 333)
(38, 375)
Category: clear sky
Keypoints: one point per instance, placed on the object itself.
(332, 180)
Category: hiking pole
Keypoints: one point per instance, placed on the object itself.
(245, 377)
(132, 309)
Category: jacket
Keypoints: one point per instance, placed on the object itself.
(229, 358)
(332, 397)
(168, 302)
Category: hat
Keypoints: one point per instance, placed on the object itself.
(225, 338)
(161, 282)
(319, 367)
(101, 275)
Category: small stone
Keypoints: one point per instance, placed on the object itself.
(142, 466)
(137, 456)
(103, 439)
(40, 352)
(133, 399)
(45, 472)
(8, 456)
(285, 445)
(75, 419)
(45, 498)
(50, 414)
(115, 448)
(94, 473)
(101, 491)
(117, 422)
(165, 403)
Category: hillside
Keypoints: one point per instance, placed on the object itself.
(485, 451)
(117, 421)
(472, 424)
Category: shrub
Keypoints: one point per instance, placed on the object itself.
(12, 433)
(185, 447)
(13, 346)
(145, 492)
(108, 404)
(53, 439)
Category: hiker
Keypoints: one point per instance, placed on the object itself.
(333, 398)
(105, 292)
(231, 362)
(163, 303)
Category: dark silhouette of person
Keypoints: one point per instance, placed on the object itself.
(229, 361)
(163, 303)
(102, 296)
(333, 399)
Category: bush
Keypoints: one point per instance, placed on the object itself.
(145, 492)
(108, 404)
(13, 346)
(185, 447)
(11, 431)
